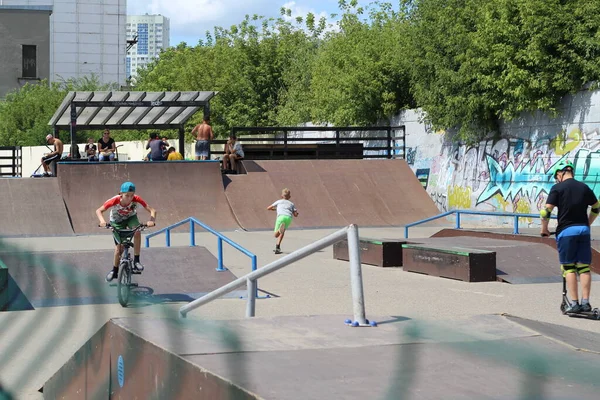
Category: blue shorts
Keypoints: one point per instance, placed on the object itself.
(574, 245)
(202, 148)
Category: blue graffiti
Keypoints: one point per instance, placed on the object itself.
(527, 179)
(531, 180)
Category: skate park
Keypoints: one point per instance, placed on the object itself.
(438, 333)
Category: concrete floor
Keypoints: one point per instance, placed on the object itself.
(34, 344)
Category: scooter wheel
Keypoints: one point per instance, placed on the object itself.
(563, 308)
(596, 313)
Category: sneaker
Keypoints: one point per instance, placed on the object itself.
(573, 308)
(111, 275)
(586, 307)
(277, 251)
(138, 266)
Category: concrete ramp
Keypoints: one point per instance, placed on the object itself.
(330, 193)
(177, 190)
(32, 207)
(274, 358)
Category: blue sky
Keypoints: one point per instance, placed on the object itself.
(190, 19)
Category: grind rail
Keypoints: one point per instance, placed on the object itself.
(350, 232)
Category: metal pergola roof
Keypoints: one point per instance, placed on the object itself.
(129, 109)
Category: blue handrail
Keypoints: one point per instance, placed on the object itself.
(220, 239)
(469, 212)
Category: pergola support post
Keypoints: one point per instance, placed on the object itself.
(182, 141)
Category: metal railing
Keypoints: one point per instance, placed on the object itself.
(458, 213)
(11, 158)
(350, 232)
(220, 239)
(391, 144)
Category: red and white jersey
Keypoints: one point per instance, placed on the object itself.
(119, 212)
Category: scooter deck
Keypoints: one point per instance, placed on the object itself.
(588, 315)
(585, 314)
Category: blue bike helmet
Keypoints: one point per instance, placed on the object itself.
(127, 187)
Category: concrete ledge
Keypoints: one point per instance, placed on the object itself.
(465, 264)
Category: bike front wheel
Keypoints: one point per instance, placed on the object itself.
(124, 284)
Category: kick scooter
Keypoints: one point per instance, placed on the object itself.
(564, 305)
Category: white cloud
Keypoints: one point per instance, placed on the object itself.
(190, 19)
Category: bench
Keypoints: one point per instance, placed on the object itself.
(378, 252)
(302, 151)
(469, 265)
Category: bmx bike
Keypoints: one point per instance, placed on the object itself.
(124, 283)
(566, 303)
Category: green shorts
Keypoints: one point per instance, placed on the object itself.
(131, 222)
(282, 219)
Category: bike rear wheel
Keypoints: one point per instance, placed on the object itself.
(124, 284)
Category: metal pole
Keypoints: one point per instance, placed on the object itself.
(516, 228)
(389, 142)
(220, 254)
(251, 304)
(168, 238)
(457, 220)
(254, 267)
(72, 127)
(182, 141)
(358, 300)
(267, 269)
(192, 233)
(406, 232)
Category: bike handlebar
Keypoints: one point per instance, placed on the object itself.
(140, 227)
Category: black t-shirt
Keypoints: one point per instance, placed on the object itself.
(572, 199)
(104, 145)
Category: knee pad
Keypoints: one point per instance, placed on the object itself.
(583, 268)
(568, 269)
(545, 213)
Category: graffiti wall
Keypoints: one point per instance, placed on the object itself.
(513, 172)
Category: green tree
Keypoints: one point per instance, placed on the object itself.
(25, 113)
(360, 75)
(474, 62)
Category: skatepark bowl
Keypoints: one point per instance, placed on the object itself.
(443, 313)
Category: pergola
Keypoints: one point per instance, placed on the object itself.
(129, 110)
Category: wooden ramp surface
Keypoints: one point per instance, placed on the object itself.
(177, 190)
(330, 193)
(32, 207)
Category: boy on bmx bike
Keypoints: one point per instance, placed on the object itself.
(123, 215)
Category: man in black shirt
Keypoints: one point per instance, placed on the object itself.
(573, 239)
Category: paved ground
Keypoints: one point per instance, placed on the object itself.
(34, 344)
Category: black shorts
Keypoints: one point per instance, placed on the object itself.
(49, 159)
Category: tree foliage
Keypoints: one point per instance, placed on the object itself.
(25, 113)
(477, 61)
(466, 63)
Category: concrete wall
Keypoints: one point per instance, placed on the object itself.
(512, 173)
(18, 28)
(86, 36)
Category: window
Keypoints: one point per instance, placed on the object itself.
(29, 61)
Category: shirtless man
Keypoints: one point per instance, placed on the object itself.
(53, 156)
(203, 134)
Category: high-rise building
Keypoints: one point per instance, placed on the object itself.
(86, 37)
(152, 33)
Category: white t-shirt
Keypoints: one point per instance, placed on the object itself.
(237, 149)
(285, 207)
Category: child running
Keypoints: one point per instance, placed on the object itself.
(123, 215)
(285, 210)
